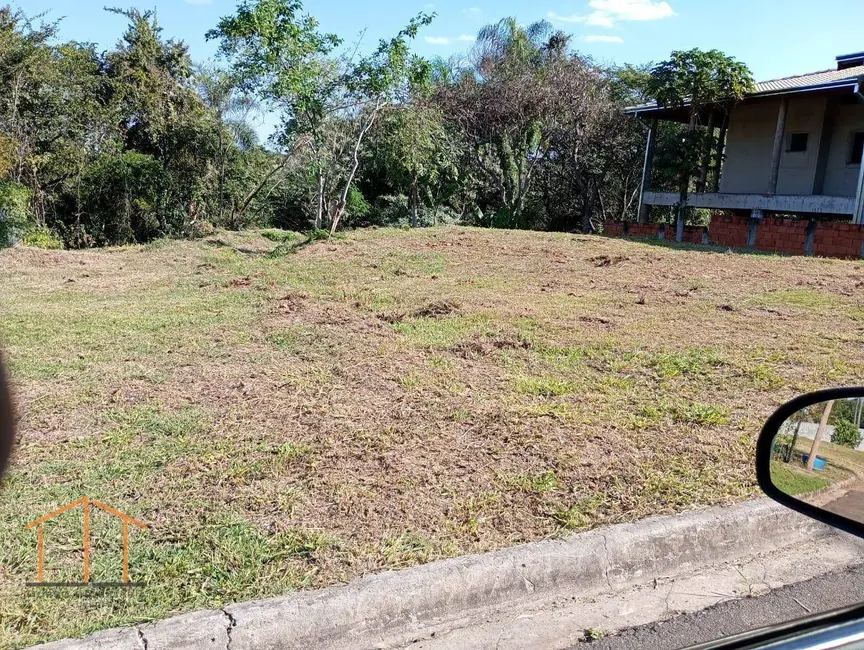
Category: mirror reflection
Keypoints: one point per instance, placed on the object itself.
(818, 457)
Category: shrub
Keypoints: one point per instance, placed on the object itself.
(14, 212)
(846, 433)
(122, 196)
(42, 238)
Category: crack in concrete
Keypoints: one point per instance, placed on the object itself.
(606, 563)
(141, 637)
(232, 623)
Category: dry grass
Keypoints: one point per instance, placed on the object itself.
(385, 399)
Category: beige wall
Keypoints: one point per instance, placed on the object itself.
(841, 179)
(751, 140)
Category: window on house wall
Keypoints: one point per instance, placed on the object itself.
(857, 151)
(797, 142)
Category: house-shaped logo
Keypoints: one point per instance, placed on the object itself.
(85, 503)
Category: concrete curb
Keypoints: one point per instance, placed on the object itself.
(393, 608)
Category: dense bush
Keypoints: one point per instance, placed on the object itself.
(120, 199)
(14, 212)
(847, 434)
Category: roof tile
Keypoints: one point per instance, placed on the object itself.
(811, 79)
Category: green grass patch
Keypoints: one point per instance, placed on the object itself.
(702, 414)
(544, 386)
(801, 298)
(793, 482)
(447, 331)
(691, 362)
(532, 483)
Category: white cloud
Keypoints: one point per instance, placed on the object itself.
(573, 18)
(466, 38)
(601, 38)
(599, 19)
(608, 12)
(429, 6)
(633, 9)
(472, 10)
(437, 40)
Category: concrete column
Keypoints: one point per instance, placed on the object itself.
(778, 145)
(825, 136)
(718, 160)
(858, 215)
(647, 169)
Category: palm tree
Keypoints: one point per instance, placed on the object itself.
(513, 45)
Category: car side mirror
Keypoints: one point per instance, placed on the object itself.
(810, 457)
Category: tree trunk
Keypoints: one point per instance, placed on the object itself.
(682, 208)
(814, 449)
(684, 185)
(588, 210)
(414, 202)
(319, 215)
(343, 201)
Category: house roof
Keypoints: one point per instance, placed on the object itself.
(851, 77)
(807, 80)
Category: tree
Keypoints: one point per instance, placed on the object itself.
(327, 104)
(703, 82)
(415, 152)
(231, 111)
(503, 106)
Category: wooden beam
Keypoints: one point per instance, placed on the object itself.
(778, 145)
(647, 170)
(828, 119)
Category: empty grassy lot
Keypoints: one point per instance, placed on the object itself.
(389, 398)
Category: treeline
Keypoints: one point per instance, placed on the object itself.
(138, 142)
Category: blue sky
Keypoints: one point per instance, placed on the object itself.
(774, 37)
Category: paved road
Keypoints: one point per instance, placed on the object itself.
(821, 594)
(850, 505)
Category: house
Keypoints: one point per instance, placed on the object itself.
(793, 146)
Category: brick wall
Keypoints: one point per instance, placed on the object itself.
(729, 230)
(785, 236)
(843, 240)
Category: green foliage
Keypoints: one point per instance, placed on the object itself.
(14, 212)
(41, 238)
(357, 205)
(846, 433)
(697, 78)
(137, 142)
(120, 195)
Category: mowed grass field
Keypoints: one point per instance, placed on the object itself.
(380, 400)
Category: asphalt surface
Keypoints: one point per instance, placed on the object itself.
(850, 505)
(822, 594)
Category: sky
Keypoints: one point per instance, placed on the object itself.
(774, 38)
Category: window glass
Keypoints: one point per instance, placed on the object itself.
(857, 148)
(797, 142)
